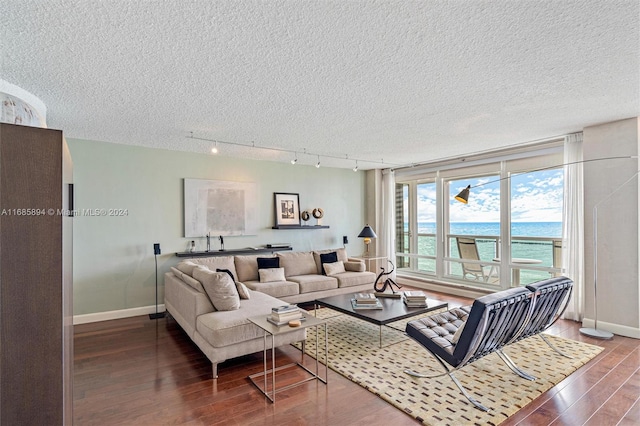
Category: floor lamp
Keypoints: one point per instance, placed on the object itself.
(156, 252)
(594, 332)
(463, 197)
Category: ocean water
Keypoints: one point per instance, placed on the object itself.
(518, 229)
(486, 241)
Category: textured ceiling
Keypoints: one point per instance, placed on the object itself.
(399, 81)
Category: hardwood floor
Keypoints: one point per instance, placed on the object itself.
(137, 371)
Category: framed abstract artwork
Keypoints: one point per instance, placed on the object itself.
(219, 208)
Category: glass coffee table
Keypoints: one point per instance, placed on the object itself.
(393, 309)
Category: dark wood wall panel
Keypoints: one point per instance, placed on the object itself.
(31, 355)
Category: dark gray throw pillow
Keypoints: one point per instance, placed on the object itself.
(268, 262)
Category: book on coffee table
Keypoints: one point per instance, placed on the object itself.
(358, 306)
(415, 299)
(388, 295)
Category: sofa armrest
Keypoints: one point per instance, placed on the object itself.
(184, 303)
(355, 265)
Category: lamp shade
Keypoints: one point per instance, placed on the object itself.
(367, 232)
(463, 196)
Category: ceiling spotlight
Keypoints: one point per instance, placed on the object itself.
(318, 163)
(214, 150)
(295, 159)
(355, 169)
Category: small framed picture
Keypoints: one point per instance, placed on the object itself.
(287, 208)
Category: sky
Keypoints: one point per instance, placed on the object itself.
(535, 197)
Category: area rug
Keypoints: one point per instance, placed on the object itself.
(354, 352)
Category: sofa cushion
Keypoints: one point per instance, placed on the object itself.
(218, 262)
(177, 272)
(333, 268)
(275, 289)
(268, 262)
(247, 268)
(186, 267)
(314, 282)
(220, 288)
(195, 284)
(269, 275)
(224, 328)
(341, 254)
(350, 279)
(298, 263)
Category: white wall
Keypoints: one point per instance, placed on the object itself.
(113, 256)
(618, 282)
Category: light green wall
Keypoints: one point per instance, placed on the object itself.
(113, 262)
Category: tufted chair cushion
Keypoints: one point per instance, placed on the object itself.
(504, 313)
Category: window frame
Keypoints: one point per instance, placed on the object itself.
(503, 166)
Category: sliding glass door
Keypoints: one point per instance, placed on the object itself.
(473, 229)
(536, 225)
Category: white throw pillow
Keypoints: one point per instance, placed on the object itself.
(269, 275)
(334, 268)
(220, 288)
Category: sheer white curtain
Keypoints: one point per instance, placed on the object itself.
(573, 225)
(387, 234)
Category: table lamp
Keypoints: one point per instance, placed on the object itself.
(367, 233)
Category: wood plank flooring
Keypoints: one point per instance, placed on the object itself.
(137, 371)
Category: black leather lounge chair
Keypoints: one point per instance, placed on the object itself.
(491, 323)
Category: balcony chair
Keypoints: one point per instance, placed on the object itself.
(468, 249)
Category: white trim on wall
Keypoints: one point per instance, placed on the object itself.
(111, 315)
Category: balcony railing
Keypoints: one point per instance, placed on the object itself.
(547, 250)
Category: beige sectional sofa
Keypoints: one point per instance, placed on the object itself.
(227, 334)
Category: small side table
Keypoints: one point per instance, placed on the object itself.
(273, 331)
(367, 260)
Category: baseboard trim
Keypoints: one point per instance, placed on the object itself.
(621, 330)
(111, 315)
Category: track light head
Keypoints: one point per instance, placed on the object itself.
(294, 161)
(318, 165)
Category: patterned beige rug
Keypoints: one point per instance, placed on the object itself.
(354, 353)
